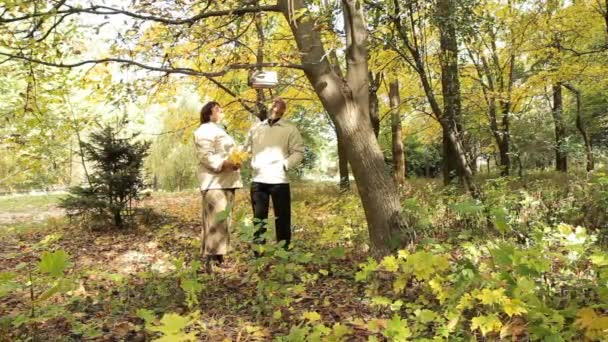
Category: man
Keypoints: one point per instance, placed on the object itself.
(276, 146)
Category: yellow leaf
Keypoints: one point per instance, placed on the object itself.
(490, 297)
(440, 292)
(486, 324)
(513, 307)
(585, 317)
(390, 263)
(466, 302)
(375, 325)
(311, 316)
(237, 156)
(399, 283)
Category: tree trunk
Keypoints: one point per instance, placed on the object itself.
(374, 106)
(450, 86)
(451, 136)
(262, 111)
(346, 99)
(449, 166)
(343, 165)
(505, 160)
(399, 171)
(580, 125)
(561, 159)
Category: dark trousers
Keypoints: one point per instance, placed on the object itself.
(281, 201)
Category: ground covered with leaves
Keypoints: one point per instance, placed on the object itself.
(527, 263)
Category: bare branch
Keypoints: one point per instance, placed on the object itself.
(184, 71)
(231, 93)
(53, 27)
(105, 10)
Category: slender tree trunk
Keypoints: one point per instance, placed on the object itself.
(262, 111)
(561, 159)
(450, 129)
(343, 165)
(605, 13)
(450, 85)
(399, 171)
(374, 107)
(504, 146)
(580, 125)
(449, 165)
(346, 99)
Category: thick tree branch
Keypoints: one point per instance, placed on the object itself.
(105, 10)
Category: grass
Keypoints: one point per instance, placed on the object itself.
(21, 203)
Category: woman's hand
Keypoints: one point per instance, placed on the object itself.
(229, 165)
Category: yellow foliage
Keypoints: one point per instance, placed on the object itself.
(595, 327)
(486, 324)
(513, 307)
(489, 297)
(311, 316)
(237, 156)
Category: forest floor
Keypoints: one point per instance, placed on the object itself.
(60, 280)
(120, 272)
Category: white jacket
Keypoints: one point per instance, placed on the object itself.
(274, 150)
(213, 145)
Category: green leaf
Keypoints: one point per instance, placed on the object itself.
(7, 285)
(54, 263)
(337, 253)
(381, 301)
(467, 208)
(503, 254)
(500, 219)
(147, 315)
(599, 259)
(61, 286)
(171, 325)
(425, 316)
(397, 329)
(339, 331)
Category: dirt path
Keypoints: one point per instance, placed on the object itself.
(30, 208)
(32, 215)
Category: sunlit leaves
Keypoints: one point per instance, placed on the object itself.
(54, 263)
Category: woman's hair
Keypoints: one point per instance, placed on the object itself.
(207, 110)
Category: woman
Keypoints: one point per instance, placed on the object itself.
(218, 177)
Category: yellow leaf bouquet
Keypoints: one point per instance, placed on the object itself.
(237, 156)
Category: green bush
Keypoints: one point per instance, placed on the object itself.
(116, 180)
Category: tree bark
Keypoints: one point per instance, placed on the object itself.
(449, 165)
(262, 111)
(399, 168)
(374, 106)
(450, 86)
(343, 165)
(580, 125)
(561, 158)
(346, 99)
